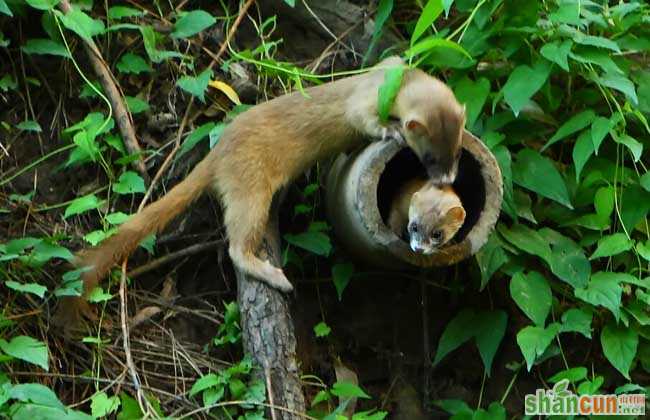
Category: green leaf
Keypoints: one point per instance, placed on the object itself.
(149, 37)
(568, 13)
(538, 174)
(384, 9)
(490, 258)
(573, 125)
(33, 288)
(577, 320)
(28, 349)
(473, 95)
(630, 388)
(533, 295)
(136, 105)
(317, 242)
(341, 275)
(98, 295)
(196, 86)
(130, 408)
(644, 250)
(388, 91)
(117, 218)
(582, 151)
(7, 83)
(215, 134)
(133, 63)
(459, 330)
(495, 411)
(4, 8)
(45, 46)
(121, 12)
(291, 3)
(603, 290)
(490, 330)
(568, 260)
(533, 341)
(612, 245)
(573, 375)
(192, 23)
(129, 183)
(101, 405)
(196, 136)
(527, 239)
(36, 393)
(429, 14)
(322, 329)
(81, 205)
(432, 43)
(595, 41)
(343, 389)
(205, 382)
(557, 53)
(45, 251)
(29, 125)
(599, 129)
(619, 346)
(604, 202)
(43, 4)
(620, 83)
(81, 24)
(596, 56)
(634, 146)
(454, 407)
(523, 83)
(634, 205)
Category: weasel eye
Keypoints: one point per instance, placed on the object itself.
(437, 235)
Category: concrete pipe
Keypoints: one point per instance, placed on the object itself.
(361, 185)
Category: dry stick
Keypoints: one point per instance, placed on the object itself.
(190, 250)
(177, 144)
(142, 400)
(122, 116)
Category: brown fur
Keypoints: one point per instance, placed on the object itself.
(420, 209)
(271, 144)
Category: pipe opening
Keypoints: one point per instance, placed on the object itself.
(469, 185)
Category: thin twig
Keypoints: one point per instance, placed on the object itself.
(142, 400)
(122, 115)
(190, 250)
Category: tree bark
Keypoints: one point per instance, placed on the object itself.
(268, 332)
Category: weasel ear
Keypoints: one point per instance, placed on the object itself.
(457, 214)
(416, 127)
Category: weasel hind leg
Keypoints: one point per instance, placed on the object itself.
(246, 220)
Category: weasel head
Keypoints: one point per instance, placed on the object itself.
(435, 215)
(432, 124)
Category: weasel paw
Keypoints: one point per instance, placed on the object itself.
(275, 278)
(394, 134)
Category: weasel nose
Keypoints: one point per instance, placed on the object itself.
(417, 248)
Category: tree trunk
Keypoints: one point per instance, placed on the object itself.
(267, 330)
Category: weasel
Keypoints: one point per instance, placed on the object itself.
(272, 143)
(429, 215)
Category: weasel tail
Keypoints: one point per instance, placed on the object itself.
(152, 219)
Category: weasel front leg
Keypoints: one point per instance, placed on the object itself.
(390, 131)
